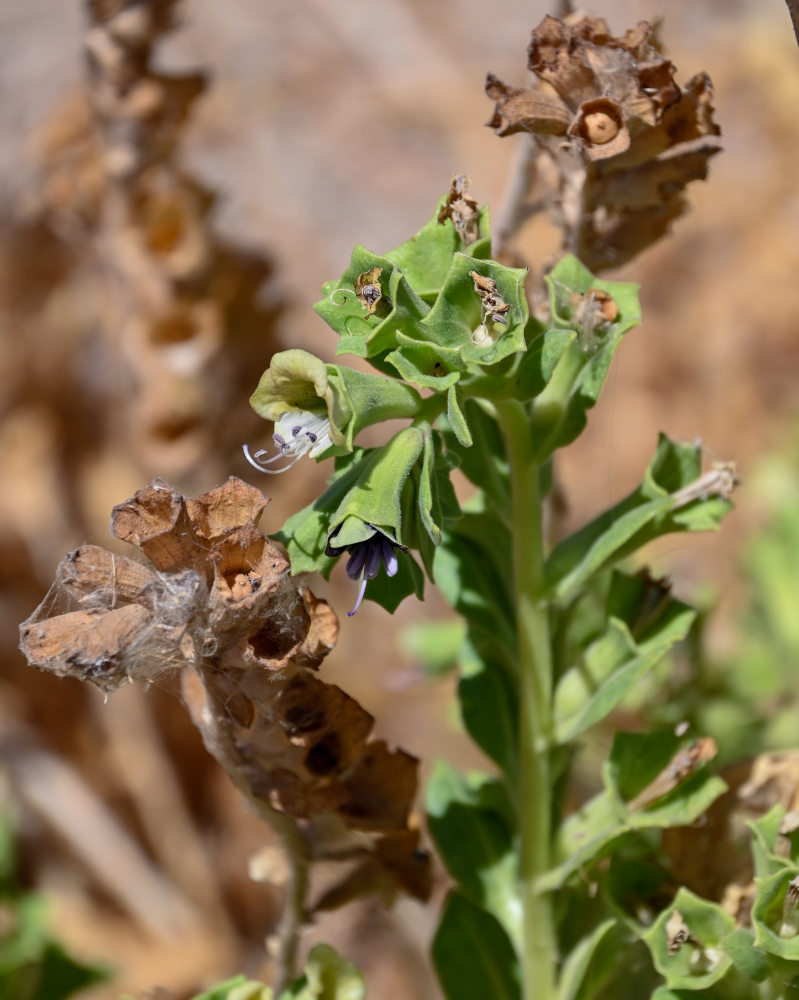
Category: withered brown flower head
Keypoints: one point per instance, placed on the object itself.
(215, 608)
(620, 138)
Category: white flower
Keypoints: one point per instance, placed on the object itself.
(297, 433)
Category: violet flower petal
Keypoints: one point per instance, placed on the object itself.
(389, 556)
(356, 561)
(374, 558)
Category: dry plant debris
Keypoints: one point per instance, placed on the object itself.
(462, 208)
(172, 306)
(214, 606)
(616, 138)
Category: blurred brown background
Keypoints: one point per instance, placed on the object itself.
(322, 125)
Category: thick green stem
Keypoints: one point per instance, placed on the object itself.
(535, 698)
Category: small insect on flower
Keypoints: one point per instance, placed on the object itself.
(297, 433)
(366, 558)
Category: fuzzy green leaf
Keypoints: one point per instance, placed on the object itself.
(700, 962)
(429, 366)
(485, 464)
(456, 419)
(747, 957)
(594, 830)
(376, 497)
(570, 281)
(472, 954)
(489, 706)
(369, 335)
(775, 920)
(610, 666)
(579, 303)
(645, 514)
(470, 820)
(470, 569)
(305, 533)
(637, 759)
(539, 363)
(32, 965)
(425, 258)
(579, 979)
(765, 832)
(456, 312)
(238, 988)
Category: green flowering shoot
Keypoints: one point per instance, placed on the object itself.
(453, 331)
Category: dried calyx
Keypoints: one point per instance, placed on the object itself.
(214, 607)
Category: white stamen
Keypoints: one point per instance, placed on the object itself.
(297, 433)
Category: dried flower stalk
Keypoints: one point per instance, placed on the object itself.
(215, 606)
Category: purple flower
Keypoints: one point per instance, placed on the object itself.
(366, 558)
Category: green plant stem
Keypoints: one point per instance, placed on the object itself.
(539, 950)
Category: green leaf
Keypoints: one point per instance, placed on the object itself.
(485, 464)
(429, 506)
(599, 544)
(569, 280)
(765, 832)
(426, 257)
(370, 399)
(369, 335)
(584, 838)
(470, 820)
(328, 976)
(456, 312)
(578, 980)
(593, 831)
(429, 366)
(610, 666)
(747, 957)
(472, 954)
(376, 497)
(470, 569)
(539, 363)
(8, 852)
(637, 759)
(573, 387)
(488, 705)
(643, 515)
(238, 988)
(35, 967)
(775, 920)
(456, 419)
(700, 962)
(305, 533)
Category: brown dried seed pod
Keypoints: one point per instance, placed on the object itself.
(248, 572)
(518, 109)
(94, 645)
(156, 521)
(95, 576)
(217, 512)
